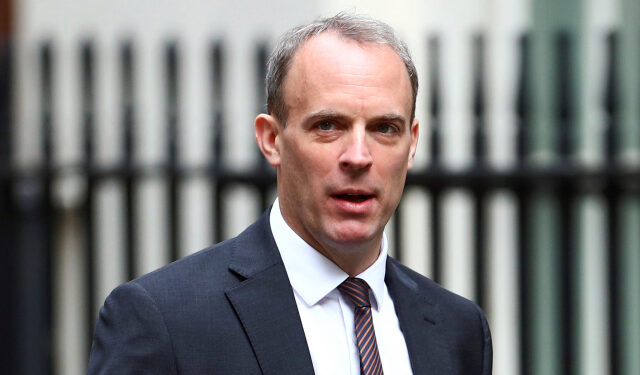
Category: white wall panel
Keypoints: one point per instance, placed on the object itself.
(458, 271)
(592, 318)
(69, 307)
(152, 224)
(110, 241)
(417, 252)
(503, 291)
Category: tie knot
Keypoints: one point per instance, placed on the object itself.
(357, 290)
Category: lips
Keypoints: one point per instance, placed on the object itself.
(354, 201)
(355, 198)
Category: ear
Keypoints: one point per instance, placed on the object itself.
(267, 129)
(414, 142)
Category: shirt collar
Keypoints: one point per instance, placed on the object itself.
(312, 275)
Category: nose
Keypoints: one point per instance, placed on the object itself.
(356, 154)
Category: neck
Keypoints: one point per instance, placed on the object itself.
(353, 260)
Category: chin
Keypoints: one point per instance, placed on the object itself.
(353, 237)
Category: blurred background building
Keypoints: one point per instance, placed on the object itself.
(126, 131)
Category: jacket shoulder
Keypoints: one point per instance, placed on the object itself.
(447, 302)
(209, 263)
(461, 322)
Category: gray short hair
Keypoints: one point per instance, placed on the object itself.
(359, 28)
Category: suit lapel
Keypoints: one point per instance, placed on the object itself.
(265, 304)
(418, 319)
(267, 310)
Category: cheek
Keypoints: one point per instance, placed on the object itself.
(394, 171)
(306, 166)
(394, 160)
(314, 159)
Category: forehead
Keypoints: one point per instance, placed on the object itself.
(329, 65)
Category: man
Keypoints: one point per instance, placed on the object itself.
(309, 287)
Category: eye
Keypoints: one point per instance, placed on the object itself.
(326, 125)
(385, 128)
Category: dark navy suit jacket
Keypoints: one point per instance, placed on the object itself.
(230, 309)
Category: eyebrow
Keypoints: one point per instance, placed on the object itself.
(390, 118)
(329, 115)
(324, 115)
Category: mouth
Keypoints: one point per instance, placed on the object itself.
(355, 198)
(354, 201)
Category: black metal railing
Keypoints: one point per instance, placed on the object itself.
(29, 212)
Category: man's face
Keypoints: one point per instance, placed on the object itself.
(348, 142)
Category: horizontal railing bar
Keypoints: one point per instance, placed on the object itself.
(590, 178)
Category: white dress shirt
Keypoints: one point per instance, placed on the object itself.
(327, 316)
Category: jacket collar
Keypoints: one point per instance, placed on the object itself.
(266, 308)
(418, 317)
(265, 304)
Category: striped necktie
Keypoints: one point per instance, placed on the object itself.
(358, 292)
